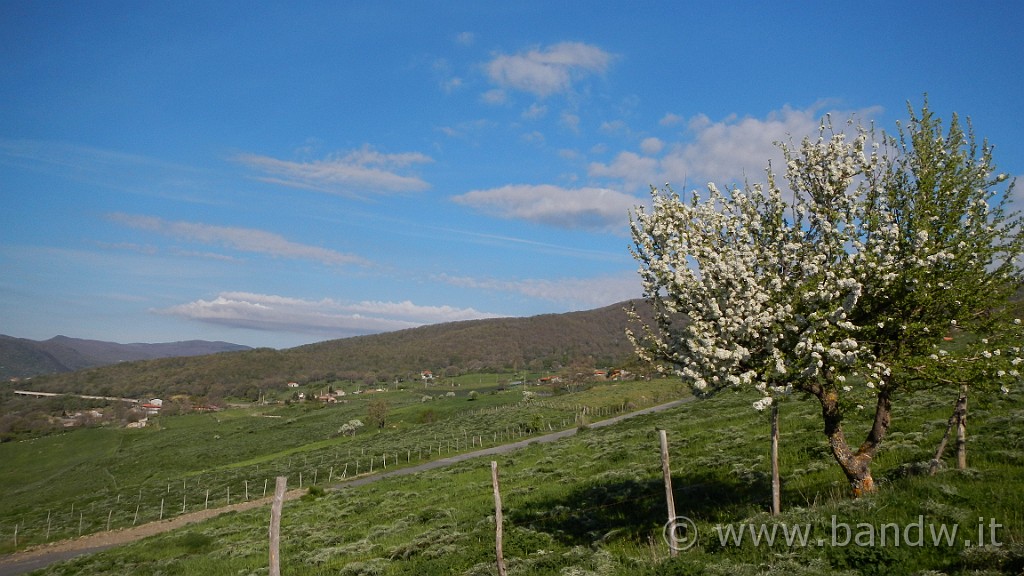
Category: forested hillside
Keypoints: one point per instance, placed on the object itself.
(550, 342)
(23, 358)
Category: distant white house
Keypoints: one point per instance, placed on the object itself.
(427, 375)
(293, 384)
(157, 402)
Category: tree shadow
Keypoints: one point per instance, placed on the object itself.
(634, 509)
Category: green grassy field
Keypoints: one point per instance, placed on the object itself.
(594, 504)
(87, 480)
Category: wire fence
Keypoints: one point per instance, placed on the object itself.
(155, 501)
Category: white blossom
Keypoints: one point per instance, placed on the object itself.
(772, 289)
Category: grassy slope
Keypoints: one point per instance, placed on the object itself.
(76, 482)
(594, 504)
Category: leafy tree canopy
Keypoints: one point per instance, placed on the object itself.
(842, 283)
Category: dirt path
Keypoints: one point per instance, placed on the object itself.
(42, 556)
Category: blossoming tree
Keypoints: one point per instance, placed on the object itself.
(841, 286)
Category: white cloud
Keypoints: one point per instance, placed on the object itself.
(466, 129)
(570, 154)
(615, 128)
(571, 121)
(244, 239)
(1015, 203)
(451, 84)
(579, 293)
(494, 96)
(535, 111)
(465, 39)
(550, 70)
(352, 174)
(651, 145)
(591, 208)
(634, 170)
(321, 317)
(534, 137)
(670, 119)
(725, 152)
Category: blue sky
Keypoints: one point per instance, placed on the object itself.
(279, 173)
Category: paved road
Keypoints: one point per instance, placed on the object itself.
(41, 557)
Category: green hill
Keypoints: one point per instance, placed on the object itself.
(550, 342)
(24, 358)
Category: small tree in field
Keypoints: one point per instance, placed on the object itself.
(349, 428)
(845, 290)
(378, 412)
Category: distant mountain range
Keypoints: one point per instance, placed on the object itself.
(21, 357)
(545, 343)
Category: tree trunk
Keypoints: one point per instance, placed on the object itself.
(933, 466)
(958, 419)
(855, 465)
(961, 430)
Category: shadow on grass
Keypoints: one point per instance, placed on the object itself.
(635, 509)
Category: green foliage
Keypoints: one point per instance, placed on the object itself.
(594, 503)
(378, 411)
(313, 493)
(845, 291)
(957, 255)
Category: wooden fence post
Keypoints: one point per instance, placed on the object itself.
(776, 485)
(498, 520)
(275, 526)
(670, 501)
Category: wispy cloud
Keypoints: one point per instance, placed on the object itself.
(325, 317)
(243, 239)
(355, 173)
(77, 157)
(550, 70)
(578, 293)
(587, 208)
(531, 245)
(111, 169)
